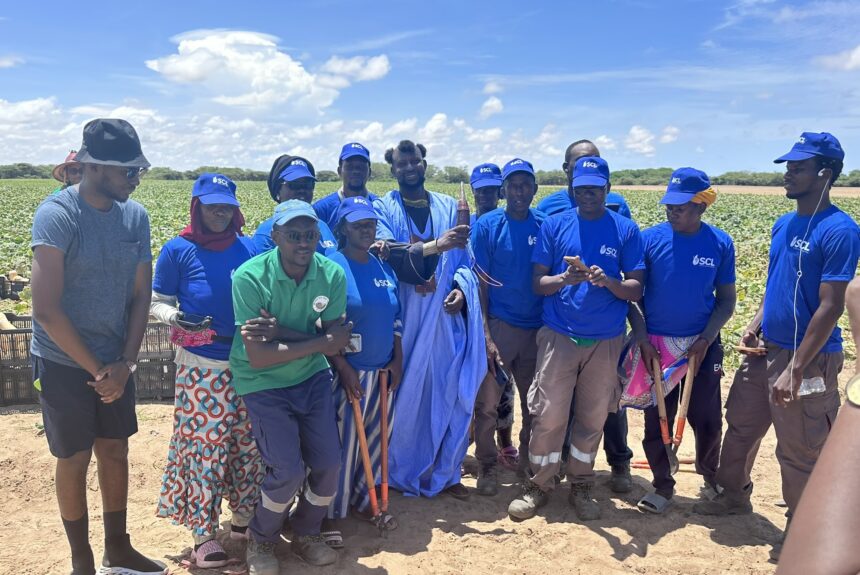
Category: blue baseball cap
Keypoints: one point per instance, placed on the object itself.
(212, 188)
(297, 168)
(354, 149)
(292, 209)
(485, 175)
(684, 184)
(811, 144)
(590, 171)
(517, 165)
(356, 208)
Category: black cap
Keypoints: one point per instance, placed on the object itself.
(281, 162)
(112, 143)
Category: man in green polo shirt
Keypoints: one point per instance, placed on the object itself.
(286, 382)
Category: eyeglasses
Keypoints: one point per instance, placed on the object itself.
(309, 237)
(133, 173)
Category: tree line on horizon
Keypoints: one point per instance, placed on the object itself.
(448, 174)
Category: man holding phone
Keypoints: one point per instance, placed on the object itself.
(286, 383)
(584, 317)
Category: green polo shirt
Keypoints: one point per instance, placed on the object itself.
(262, 283)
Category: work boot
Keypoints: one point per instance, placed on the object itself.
(261, 559)
(726, 503)
(313, 550)
(526, 505)
(586, 507)
(621, 481)
(488, 483)
(776, 550)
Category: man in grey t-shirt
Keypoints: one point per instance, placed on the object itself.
(92, 272)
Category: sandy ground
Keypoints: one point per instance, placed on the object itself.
(836, 192)
(441, 535)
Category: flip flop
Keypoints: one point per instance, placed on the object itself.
(332, 538)
(509, 458)
(654, 503)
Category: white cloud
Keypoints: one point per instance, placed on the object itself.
(670, 134)
(247, 69)
(640, 141)
(741, 10)
(604, 143)
(10, 61)
(847, 60)
(492, 87)
(490, 107)
(359, 68)
(382, 41)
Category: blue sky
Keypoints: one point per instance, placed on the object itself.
(716, 85)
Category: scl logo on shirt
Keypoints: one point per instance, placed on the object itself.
(327, 244)
(799, 244)
(532, 240)
(608, 251)
(703, 261)
(382, 283)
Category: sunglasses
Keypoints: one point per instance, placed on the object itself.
(309, 237)
(133, 173)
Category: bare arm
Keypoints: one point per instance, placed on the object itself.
(47, 289)
(138, 313)
(330, 342)
(545, 285)
(724, 307)
(628, 289)
(852, 302)
(831, 304)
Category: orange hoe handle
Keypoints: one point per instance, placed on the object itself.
(365, 456)
(685, 400)
(657, 374)
(383, 418)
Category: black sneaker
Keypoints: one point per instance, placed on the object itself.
(120, 558)
(621, 481)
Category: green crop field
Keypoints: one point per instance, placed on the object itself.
(747, 218)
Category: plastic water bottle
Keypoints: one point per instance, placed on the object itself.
(811, 385)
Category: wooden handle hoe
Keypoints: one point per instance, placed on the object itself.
(383, 418)
(657, 374)
(365, 460)
(685, 403)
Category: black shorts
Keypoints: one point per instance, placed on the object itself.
(73, 412)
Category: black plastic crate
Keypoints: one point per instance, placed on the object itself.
(16, 367)
(156, 343)
(20, 321)
(155, 379)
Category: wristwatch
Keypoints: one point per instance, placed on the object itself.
(852, 390)
(131, 365)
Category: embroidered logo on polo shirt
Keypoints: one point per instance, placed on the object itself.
(608, 251)
(320, 303)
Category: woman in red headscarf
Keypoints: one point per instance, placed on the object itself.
(212, 453)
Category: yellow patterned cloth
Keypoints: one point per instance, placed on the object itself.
(706, 197)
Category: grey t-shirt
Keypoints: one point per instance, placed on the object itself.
(102, 251)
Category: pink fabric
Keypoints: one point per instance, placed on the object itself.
(184, 338)
(638, 392)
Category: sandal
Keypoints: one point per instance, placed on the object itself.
(389, 523)
(509, 458)
(209, 555)
(654, 503)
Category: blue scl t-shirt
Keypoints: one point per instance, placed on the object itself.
(202, 282)
(561, 201)
(683, 270)
(503, 248)
(101, 253)
(612, 242)
(326, 208)
(830, 253)
(373, 308)
(263, 238)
